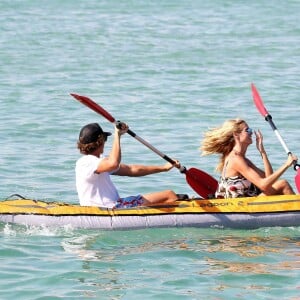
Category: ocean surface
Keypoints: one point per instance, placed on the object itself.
(171, 70)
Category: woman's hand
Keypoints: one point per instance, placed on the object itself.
(259, 142)
(291, 159)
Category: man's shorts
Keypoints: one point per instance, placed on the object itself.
(131, 201)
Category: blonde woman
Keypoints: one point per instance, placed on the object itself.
(239, 176)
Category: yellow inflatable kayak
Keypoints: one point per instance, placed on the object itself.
(241, 213)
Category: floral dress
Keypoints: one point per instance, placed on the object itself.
(236, 186)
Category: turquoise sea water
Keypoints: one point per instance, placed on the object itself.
(171, 70)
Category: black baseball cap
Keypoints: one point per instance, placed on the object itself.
(91, 132)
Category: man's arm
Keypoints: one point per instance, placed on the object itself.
(142, 170)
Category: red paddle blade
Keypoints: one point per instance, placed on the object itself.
(297, 180)
(94, 106)
(258, 101)
(202, 183)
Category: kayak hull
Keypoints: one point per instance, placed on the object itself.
(240, 213)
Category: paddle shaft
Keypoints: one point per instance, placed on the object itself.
(141, 140)
(268, 118)
(270, 121)
(288, 152)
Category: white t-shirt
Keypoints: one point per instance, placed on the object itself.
(94, 189)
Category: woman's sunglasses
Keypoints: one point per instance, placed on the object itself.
(249, 130)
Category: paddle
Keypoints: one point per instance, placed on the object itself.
(263, 111)
(201, 182)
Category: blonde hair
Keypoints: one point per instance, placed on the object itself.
(220, 140)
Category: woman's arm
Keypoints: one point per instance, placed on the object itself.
(263, 183)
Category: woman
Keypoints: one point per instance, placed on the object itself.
(240, 177)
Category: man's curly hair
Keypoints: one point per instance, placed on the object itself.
(91, 147)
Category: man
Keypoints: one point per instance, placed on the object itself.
(93, 170)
